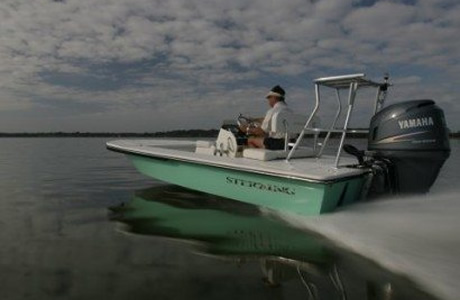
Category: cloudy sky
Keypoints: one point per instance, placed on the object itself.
(150, 65)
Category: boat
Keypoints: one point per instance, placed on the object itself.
(407, 145)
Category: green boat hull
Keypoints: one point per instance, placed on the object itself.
(274, 192)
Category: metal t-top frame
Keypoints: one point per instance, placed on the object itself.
(351, 82)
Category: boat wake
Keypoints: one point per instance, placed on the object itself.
(415, 237)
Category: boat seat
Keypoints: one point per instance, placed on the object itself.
(266, 155)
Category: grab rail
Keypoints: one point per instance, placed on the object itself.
(353, 83)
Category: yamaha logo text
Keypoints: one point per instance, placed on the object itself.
(415, 123)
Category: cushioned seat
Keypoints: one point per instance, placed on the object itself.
(265, 155)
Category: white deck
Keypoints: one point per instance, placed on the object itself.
(309, 169)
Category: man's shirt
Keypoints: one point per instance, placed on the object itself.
(268, 120)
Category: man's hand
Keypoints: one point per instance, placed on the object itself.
(250, 129)
(244, 128)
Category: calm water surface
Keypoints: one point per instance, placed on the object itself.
(78, 222)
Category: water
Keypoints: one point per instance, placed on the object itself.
(60, 240)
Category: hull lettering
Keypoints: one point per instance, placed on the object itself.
(260, 186)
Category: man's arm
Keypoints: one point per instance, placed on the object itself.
(256, 131)
(258, 120)
(261, 130)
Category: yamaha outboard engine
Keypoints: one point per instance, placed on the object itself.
(411, 140)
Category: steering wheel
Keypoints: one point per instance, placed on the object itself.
(243, 121)
(246, 122)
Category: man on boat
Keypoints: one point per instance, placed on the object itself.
(264, 136)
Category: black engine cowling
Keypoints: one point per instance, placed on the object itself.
(413, 137)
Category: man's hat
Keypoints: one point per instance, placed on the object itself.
(276, 91)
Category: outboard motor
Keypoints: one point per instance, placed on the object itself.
(411, 140)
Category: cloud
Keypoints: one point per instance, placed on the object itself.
(211, 58)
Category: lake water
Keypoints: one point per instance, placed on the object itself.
(79, 222)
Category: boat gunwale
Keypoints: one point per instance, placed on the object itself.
(227, 167)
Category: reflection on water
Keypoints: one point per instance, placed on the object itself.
(241, 234)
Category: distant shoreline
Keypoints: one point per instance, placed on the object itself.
(173, 133)
(192, 133)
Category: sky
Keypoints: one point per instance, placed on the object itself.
(154, 65)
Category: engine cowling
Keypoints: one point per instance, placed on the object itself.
(414, 137)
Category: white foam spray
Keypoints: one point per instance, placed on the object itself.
(418, 237)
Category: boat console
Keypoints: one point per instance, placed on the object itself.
(232, 142)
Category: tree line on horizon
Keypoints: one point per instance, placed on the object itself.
(182, 133)
(172, 133)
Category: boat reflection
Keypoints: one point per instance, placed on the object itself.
(238, 232)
